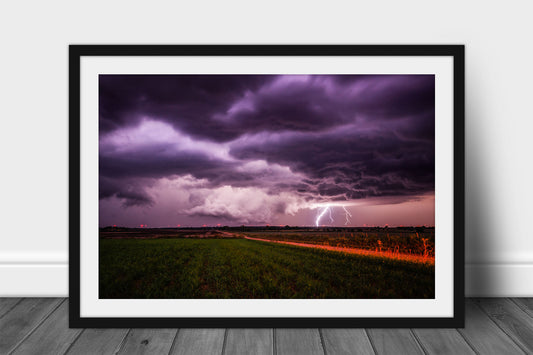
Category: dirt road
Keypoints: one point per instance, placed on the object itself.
(386, 254)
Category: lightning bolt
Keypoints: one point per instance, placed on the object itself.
(317, 222)
(328, 208)
(346, 214)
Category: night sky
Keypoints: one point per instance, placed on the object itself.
(195, 150)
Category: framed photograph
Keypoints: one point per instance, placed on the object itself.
(266, 186)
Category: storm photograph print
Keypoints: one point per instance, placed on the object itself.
(266, 186)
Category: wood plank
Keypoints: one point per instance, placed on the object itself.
(199, 341)
(53, 336)
(526, 304)
(442, 341)
(22, 319)
(298, 341)
(513, 320)
(250, 341)
(6, 304)
(394, 341)
(493, 326)
(346, 341)
(148, 341)
(484, 335)
(99, 341)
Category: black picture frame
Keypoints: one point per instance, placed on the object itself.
(76, 52)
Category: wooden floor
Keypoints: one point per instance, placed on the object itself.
(40, 326)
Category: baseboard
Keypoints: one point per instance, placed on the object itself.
(499, 280)
(34, 280)
(50, 279)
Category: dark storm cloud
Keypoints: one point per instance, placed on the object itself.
(343, 137)
(394, 96)
(186, 101)
(350, 163)
(223, 107)
(152, 164)
(130, 192)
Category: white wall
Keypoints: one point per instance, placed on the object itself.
(34, 120)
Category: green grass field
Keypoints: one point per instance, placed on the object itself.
(238, 268)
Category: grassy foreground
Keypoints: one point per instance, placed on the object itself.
(238, 268)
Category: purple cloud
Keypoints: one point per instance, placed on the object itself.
(254, 147)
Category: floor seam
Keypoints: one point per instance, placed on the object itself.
(35, 328)
(121, 345)
(522, 307)
(467, 341)
(322, 341)
(173, 345)
(503, 330)
(417, 341)
(225, 341)
(74, 341)
(371, 342)
(10, 308)
(274, 342)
